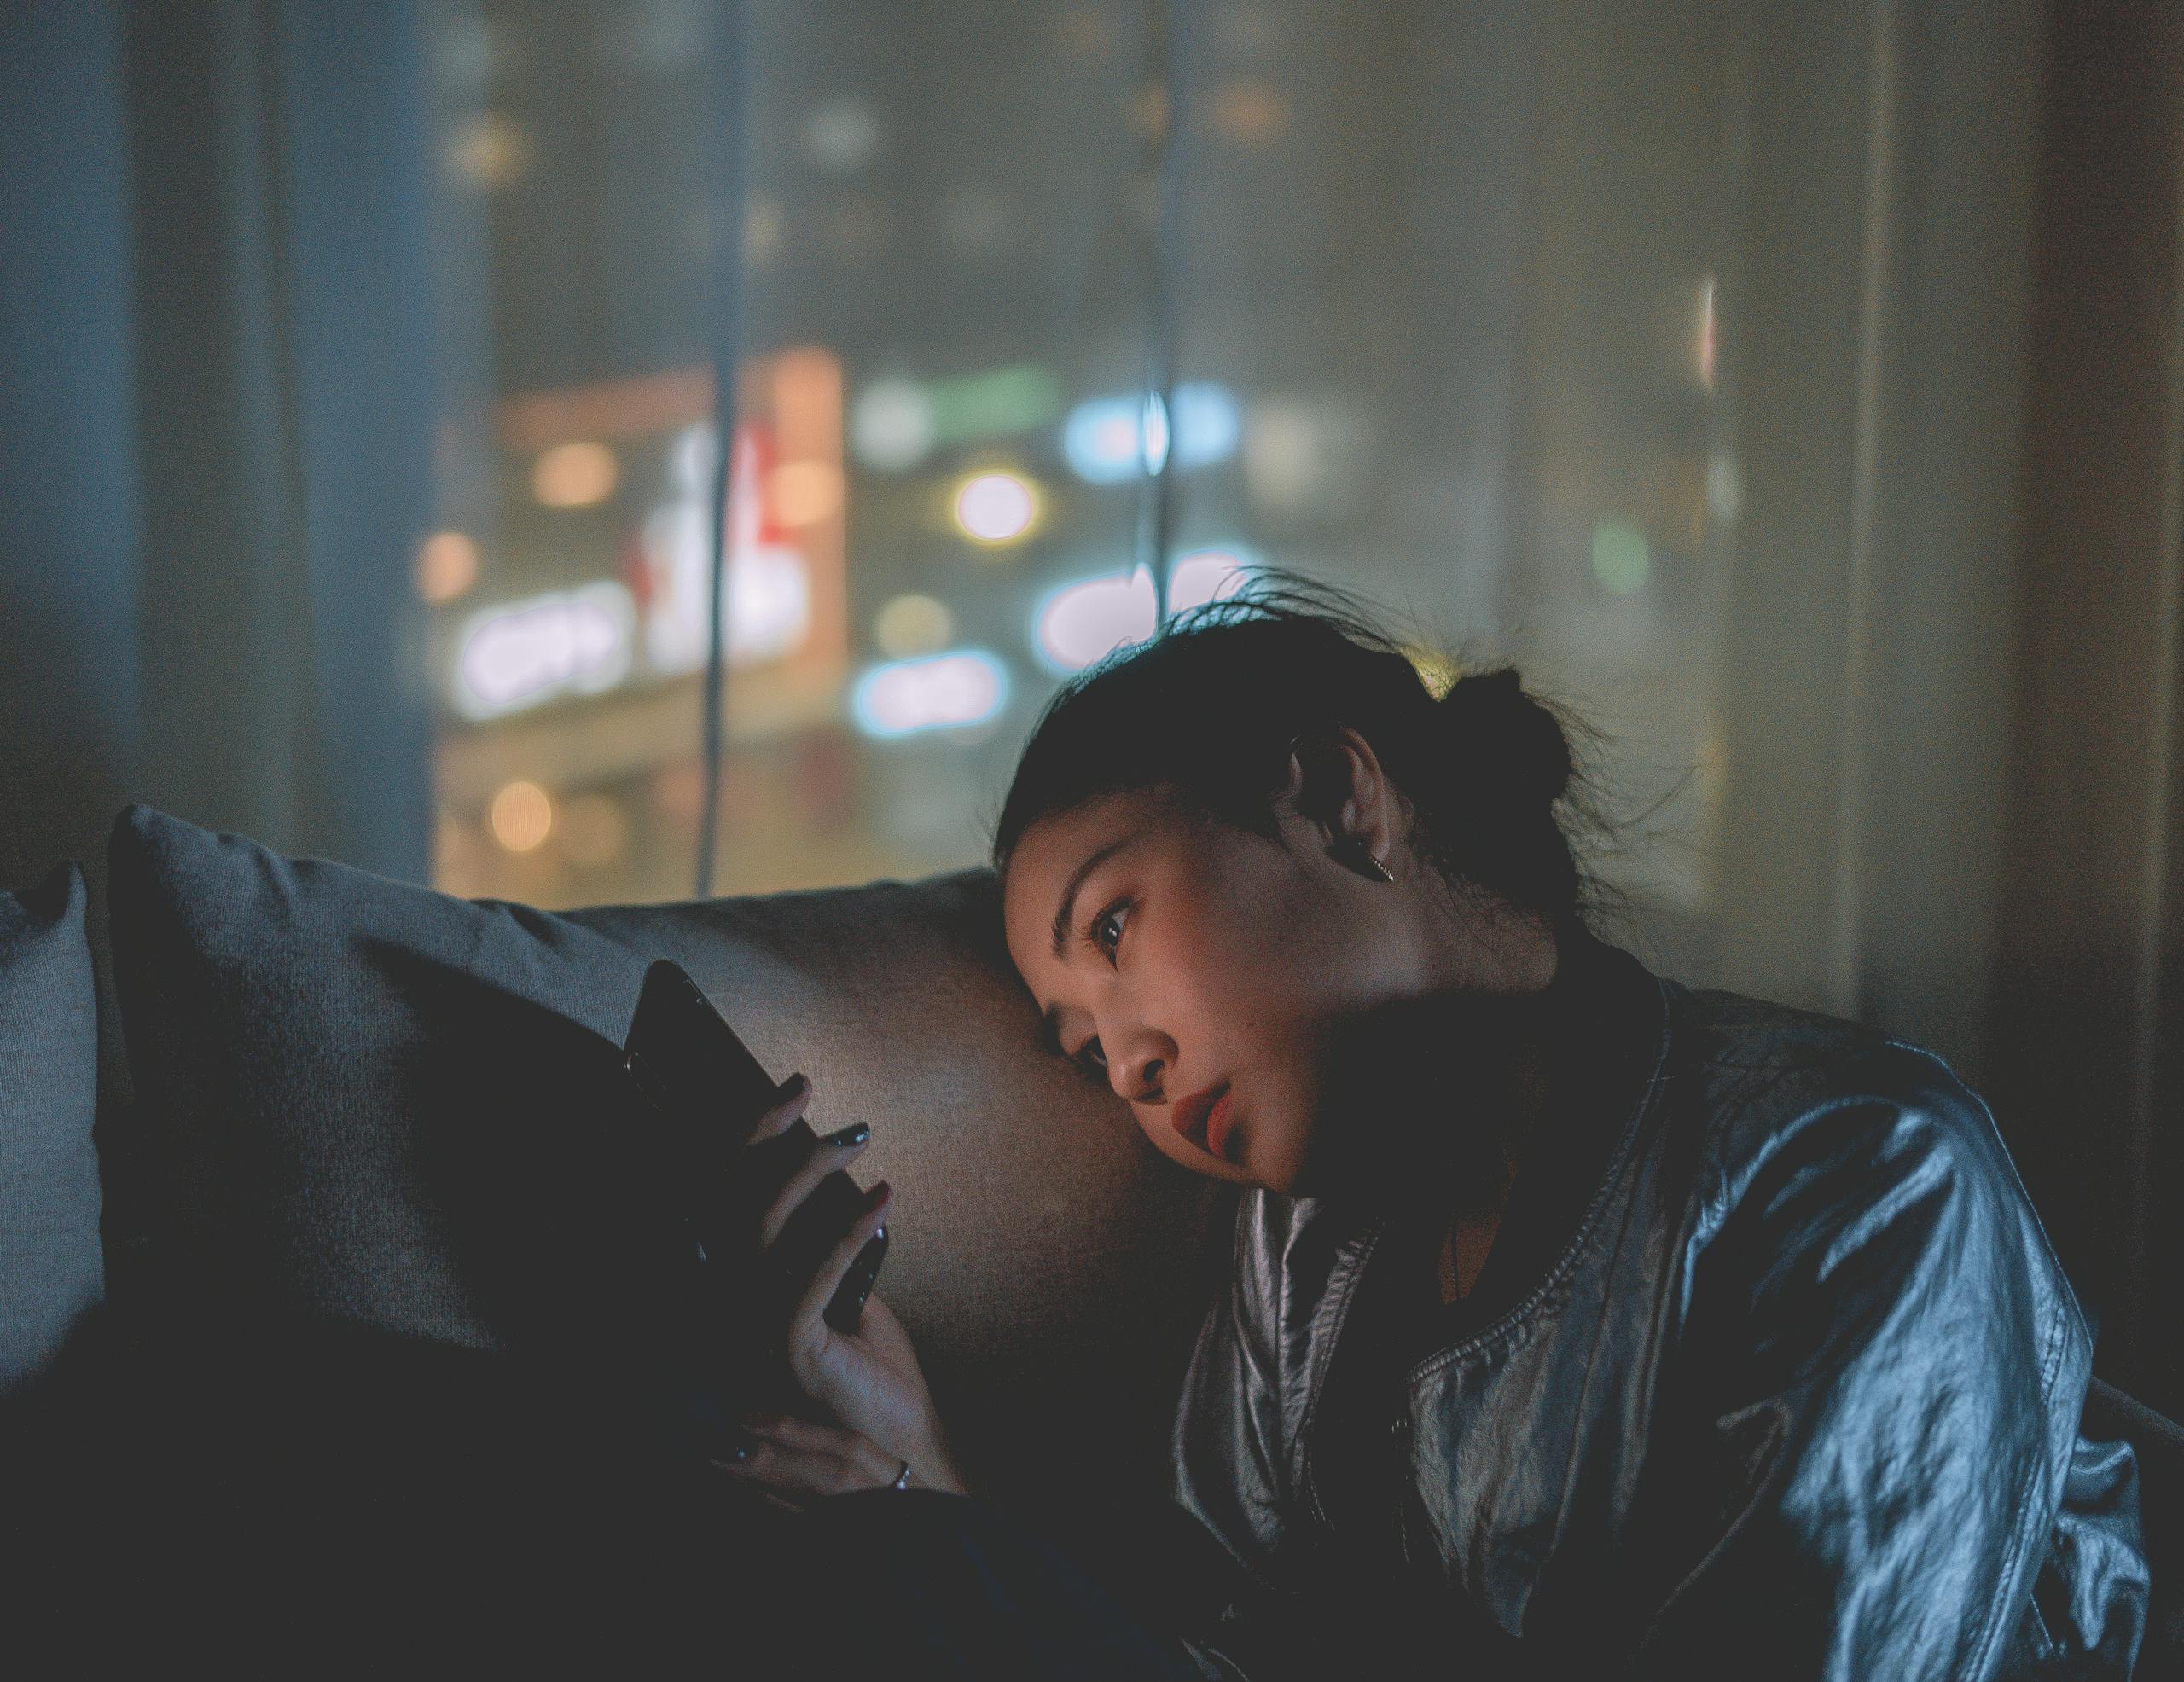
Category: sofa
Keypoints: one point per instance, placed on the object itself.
(317, 1316)
(325, 1170)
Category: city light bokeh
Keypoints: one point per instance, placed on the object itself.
(950, 403)
(995, 507)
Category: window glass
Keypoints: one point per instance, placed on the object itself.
(1440, 289)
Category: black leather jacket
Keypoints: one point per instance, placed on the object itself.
(1783, 1380)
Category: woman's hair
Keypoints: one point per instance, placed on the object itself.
(1205, 711)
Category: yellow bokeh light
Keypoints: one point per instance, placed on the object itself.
(489, 151)
(1251, 113)
(447, 566)
(522, 816)
(1146, 110)
(910, 625)
(575, 475)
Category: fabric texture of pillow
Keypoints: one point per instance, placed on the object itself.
(52, 1272)
(363, 1103)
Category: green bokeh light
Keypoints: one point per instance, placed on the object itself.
(1621, 558)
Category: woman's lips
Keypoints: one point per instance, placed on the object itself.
(1188, 1114)
(1218, 1124)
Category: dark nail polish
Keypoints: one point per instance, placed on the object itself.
(876, 1196)
(795, 1084)
(855, 1134)
(735, 1444)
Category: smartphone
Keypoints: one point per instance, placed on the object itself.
(707, 1090)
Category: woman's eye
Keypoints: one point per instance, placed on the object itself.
(1090, 1059)
(1107, 918)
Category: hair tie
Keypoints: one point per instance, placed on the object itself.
(1515, 742)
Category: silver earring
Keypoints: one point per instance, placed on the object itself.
(1353, 852)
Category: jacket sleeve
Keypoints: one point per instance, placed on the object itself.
(1884, 1366)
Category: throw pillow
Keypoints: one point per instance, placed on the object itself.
(51, 1271)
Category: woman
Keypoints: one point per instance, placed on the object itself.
(1579, 1322)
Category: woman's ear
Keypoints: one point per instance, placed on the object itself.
(1307, 791)
(1335, 781)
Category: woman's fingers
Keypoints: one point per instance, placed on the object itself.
(781, 1142)
(796, 1093)
(834, 1151)
(805, 1459)
(807, 1329)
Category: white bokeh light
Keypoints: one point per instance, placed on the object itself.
(1077, 624)
(892, 425)
(1207, 575)
(1081, 622)
(995, 507)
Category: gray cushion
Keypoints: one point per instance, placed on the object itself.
(51, 1272)
(305, 1040)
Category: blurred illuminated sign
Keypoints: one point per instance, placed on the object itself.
(766, 604)
(966, 686)
(522, 652)
(1109, 440)
(1081, 622)
(786, 597)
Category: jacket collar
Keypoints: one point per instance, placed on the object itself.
(1608, 1025)
(1604, 1024)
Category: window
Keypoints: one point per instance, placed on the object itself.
(1441, 294)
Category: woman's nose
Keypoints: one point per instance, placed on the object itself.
(1137, 1076)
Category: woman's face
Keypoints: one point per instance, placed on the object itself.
(1196, 957)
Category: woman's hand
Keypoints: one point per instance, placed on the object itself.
(868, 1381)
(797, 1461)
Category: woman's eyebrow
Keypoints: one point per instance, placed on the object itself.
(1077, 881)
(1050, 1023)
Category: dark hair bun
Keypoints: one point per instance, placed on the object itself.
(1515, 743)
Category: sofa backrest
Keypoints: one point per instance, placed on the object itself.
(302, 1042)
